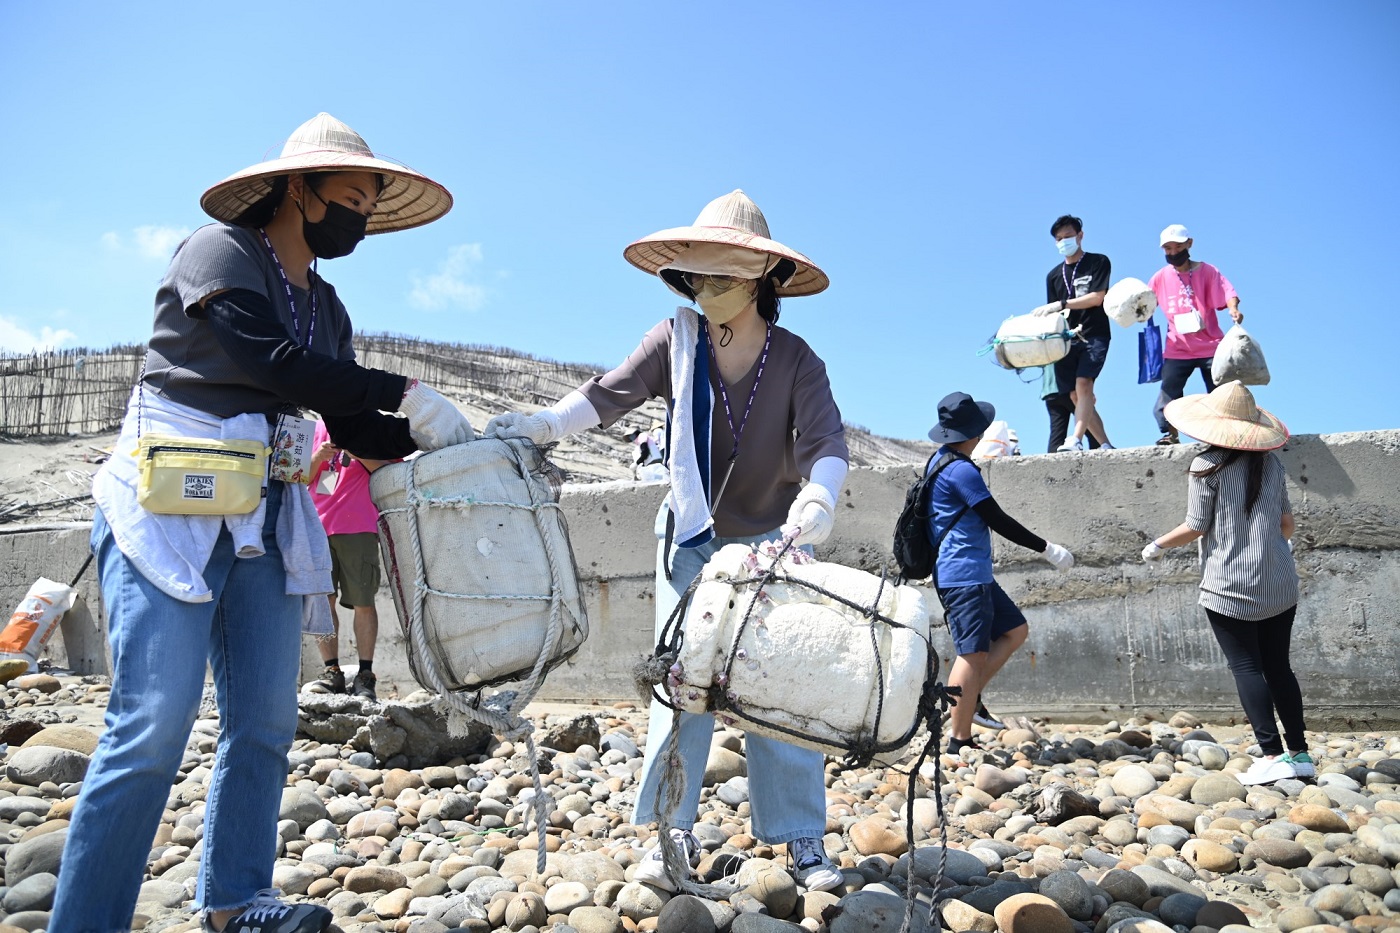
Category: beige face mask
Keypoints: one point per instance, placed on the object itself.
(721, 307)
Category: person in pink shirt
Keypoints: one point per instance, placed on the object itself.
(1191, 293)
(340, 492)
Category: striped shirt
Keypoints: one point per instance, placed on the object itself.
(1248, 568)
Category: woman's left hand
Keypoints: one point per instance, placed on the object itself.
(812, 516)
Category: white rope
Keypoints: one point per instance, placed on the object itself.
(509, 724)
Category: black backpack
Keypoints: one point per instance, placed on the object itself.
(915, 555)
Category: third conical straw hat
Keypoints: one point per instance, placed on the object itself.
(1227, 417)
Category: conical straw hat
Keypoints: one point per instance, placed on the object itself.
(1227, 417)
(324, 144)
(732, 220)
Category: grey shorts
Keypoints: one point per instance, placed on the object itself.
(355, 568)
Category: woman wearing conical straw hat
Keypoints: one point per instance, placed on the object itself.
(246, 331)
(1238, 505)
(750, 415)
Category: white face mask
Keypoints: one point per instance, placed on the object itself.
(721, 307)
(1068, 246)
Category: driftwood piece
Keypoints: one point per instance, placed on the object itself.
(1058, 803)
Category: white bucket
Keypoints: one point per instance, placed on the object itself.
(497, 571)
(1130, 301)
(804, 661)
(1028, 340)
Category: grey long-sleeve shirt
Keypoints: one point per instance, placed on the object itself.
(793, 424)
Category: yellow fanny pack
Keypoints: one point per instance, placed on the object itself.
(199, 476)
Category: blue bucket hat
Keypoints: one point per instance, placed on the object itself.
(960, 418)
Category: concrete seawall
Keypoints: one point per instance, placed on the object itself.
(1109, 638)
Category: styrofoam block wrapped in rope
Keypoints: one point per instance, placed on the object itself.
(1130, 301)
(1029, 340)
(805, 661)
(497, 566)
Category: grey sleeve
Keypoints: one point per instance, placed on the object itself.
(1200, 498)
(815, 417)
(645, 374)
(214, 258)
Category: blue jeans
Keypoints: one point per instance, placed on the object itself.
(250, 634)
(787, 793)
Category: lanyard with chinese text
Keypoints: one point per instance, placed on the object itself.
(1068, 278)
(286, 284)
(728, 412)
(1188, 284)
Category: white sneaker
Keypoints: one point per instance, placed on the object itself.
(1302, 764)
(1267, 770)
(813, 869)
(1068, 447)
(984, 718)
(652, 869)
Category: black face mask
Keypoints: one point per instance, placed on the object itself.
(1181, 258)
(335, 235)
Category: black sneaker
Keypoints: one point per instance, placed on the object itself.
(955, 746)
(363, 685)
(267, 914)
(333, 679)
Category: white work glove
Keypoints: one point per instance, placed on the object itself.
(571, 414)
(541, 428)
(1054, 307)
(1153, 552)
(433, 421)
(812, 515)
(1058, 557)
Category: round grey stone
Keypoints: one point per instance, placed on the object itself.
(1071, 892)
(33, 893)
(1180, 909)
(685, 914)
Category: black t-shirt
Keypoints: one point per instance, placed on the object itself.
(1090, 274)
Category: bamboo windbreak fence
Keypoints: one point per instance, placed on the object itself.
(82, 391)
(58, 392)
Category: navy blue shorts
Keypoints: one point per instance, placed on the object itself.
(978, 615)
(1084, 361)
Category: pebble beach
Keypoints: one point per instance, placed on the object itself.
(1139, 825)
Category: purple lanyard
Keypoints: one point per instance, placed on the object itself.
(1069, 280)
(1188, 285)
(724, 393)
(296, 326)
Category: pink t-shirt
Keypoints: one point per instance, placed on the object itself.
(347, 509)
(1202, 292)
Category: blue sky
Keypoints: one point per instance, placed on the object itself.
(917, 152)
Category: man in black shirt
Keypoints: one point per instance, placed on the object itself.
(1077, 286)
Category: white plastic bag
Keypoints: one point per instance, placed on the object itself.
(997, 441)
(33, 623)
(1130, 301)
(1239, 356)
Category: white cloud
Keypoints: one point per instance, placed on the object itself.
(453, 285)
(150, 241)
(15, 338)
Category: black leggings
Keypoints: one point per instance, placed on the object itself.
(1258, 656)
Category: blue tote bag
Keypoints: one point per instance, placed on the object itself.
(1150, 352)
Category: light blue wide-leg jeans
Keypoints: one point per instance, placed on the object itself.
(787, 794)
(250, 634)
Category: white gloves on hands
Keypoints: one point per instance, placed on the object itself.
(1054, 307)
(433, 421)
(1153, 552)
(540, 428)
(812, 515)
(1058, 557)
